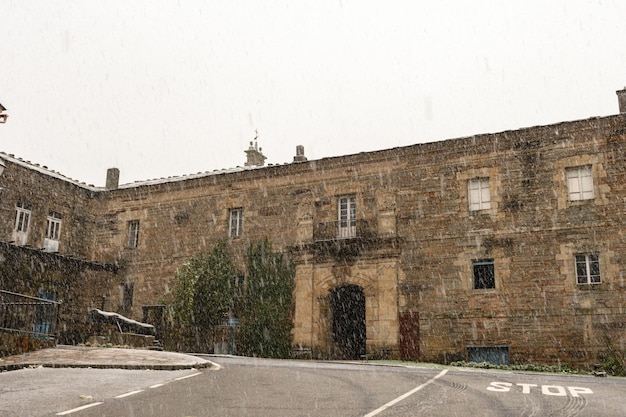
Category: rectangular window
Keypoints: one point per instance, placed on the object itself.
(22, 218)
(127, 295)
(497, 355)
(236, 222)
(53, 227)
(53, 231)
(580, 183)
(347, 217)
(478, 194)
(588, 268)
(484, 274)
(133, 233)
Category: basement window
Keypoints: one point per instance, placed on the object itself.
(484, 274)
(497, 355)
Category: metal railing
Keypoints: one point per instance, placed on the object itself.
(342, 229)
(30, 316)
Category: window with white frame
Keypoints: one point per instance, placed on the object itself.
(580, 183)
(347, 217)
(22, 218)
(236, 222)
(588, 268)
(53, 226)
(478, 194)
(53, 231)
(133, 233)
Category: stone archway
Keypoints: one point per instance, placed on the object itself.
(348, 328)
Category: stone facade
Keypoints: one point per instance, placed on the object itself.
(511, 241)
(32, 265)
(77, 285)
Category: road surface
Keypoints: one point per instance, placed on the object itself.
(261, 387)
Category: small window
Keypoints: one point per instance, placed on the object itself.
(580, 183)
(22, 218)
(484, 275)
(127, 295)
(53, 227)
(588, 268)
(497, 355)
(478, 194)
(236, 222)
(133, 233)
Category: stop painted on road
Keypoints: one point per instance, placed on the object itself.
(554, 390)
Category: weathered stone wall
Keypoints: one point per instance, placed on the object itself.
(46, 191)
(78, 286)
(14, 344)
(415, 239)
(532, 232)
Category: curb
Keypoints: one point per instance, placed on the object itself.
(134, 367)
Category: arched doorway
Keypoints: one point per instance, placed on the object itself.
(348, 321)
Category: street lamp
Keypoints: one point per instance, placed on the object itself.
(3, 119)
(3, 115)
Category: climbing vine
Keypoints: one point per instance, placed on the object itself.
(208, 289)
(202, 297)
(267, 308)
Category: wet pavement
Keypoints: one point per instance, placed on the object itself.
(99, 357)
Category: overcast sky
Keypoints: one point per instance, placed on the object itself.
(162, 88)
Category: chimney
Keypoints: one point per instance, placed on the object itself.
(254, 157)
(299, 154)
(621, 99)
(113, 179)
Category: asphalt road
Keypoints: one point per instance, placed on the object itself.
(258, 387)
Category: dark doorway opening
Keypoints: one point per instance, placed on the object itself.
(348, 331)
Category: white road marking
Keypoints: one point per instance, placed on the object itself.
(579, 390)
(73, 410)
(128, 394)
(215, 366)
(187, 376)
(408, 394)
(554, 390)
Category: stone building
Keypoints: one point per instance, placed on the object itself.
(508, 247)
(46, 225)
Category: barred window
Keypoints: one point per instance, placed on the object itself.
(484, 274)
